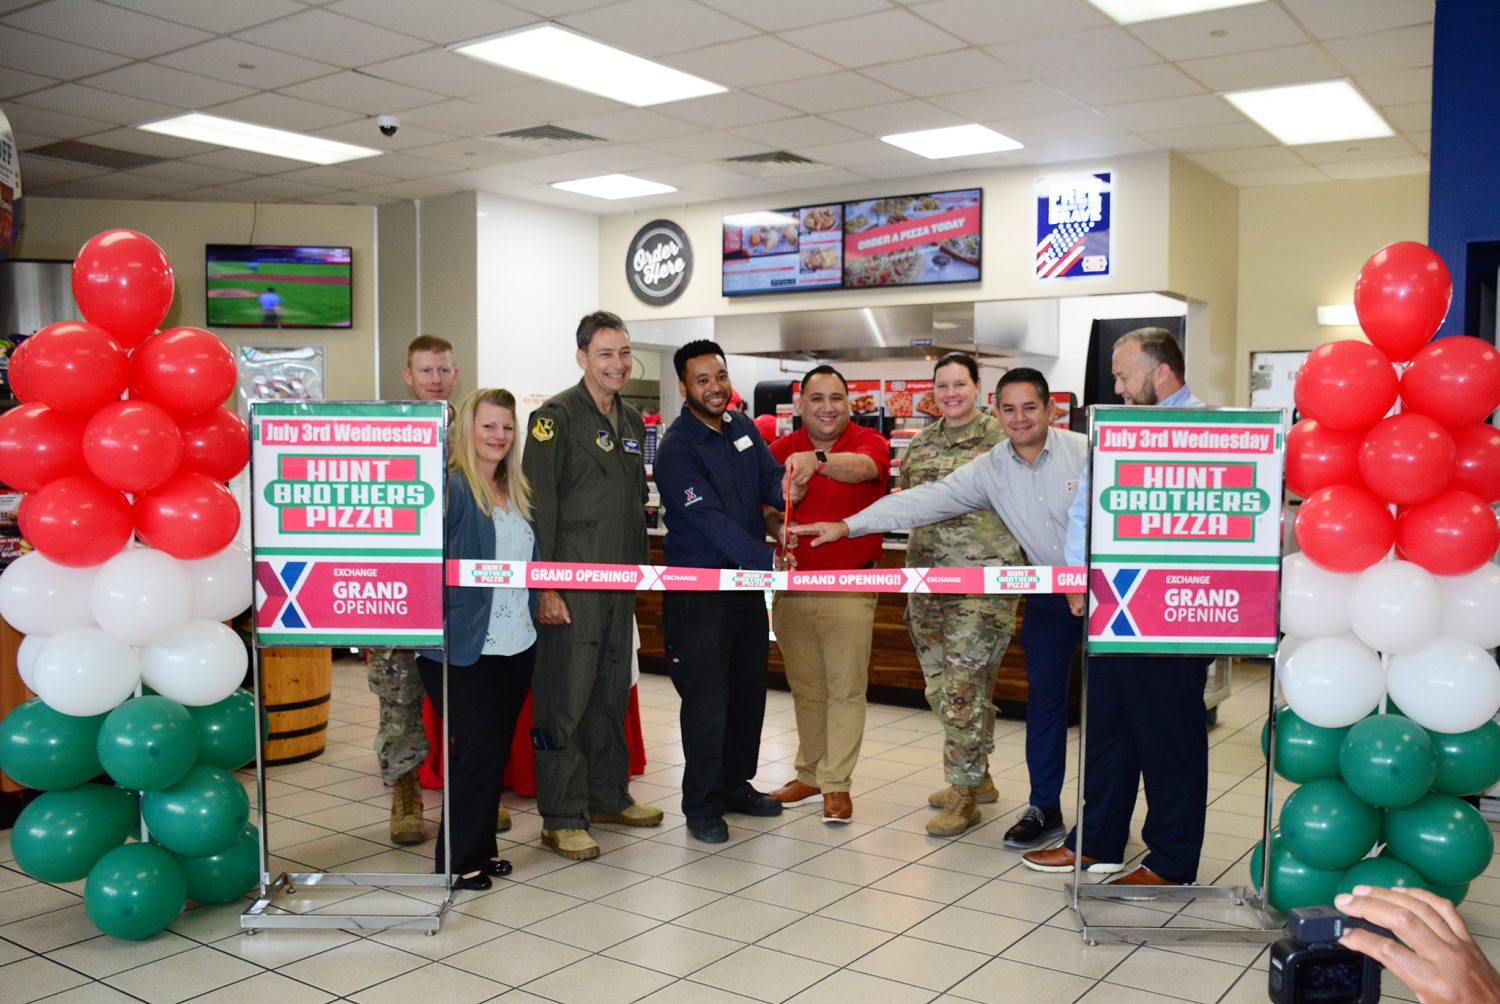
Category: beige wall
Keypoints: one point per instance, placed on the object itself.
(399, 303)
(1302, 245)
(57, 228)
(1202, 264)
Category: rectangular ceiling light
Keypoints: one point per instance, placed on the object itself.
(566, 58)
(954, 141)
(1132, 11)
(258, 138)
(614, 186)
(1326, 112)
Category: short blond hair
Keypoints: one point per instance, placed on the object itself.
(427, 343)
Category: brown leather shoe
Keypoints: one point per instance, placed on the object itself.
(795, 793)
(1060, 859)
(837, 807)
(1142, 876)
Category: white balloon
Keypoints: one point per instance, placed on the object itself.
(1314, 601)
(39, 596)
(1333, 682)
(1471, 606)
(1451, 685)
(221, 583)
(1395, 607)
(26, 654)
(141, 595)
(1290, 645)
(202, 663)
(84, 671)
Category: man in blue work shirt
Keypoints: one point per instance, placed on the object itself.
(715, 476)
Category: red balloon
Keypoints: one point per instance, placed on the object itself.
(75, 366)
(1453, 534)
(1455, 380)
(1477, 466)
(23, 515)
(1401, 296)
(78, 520)
(191, 516)
(216, 444)
(1407, 458)
(1345, 385)
(132, 445)
(123, 282)
(1344, 529)
(39, 445)
(187, 371)
(1317, 456)
(18, 374)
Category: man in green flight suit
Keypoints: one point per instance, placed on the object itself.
(588, 491)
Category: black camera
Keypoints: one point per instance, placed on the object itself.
(1309, 965)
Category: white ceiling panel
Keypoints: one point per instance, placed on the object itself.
(1355, 169)
(1141, 83)
(151, 144)
(946, 73)
(1091, 149)
(1397, 87)
(447, 73)
(76, 99)
(903, 116)
(33, 53)
(246, 162)
(360, 92)
(470, 154)
(861, 153)
(1397, 49)
(213, 17)
(243, 63)
(1025, 98)
(1227, 137)
(1415, 117)
(751, 62)
(1068, 55)
(1055, 127)
(993, 22)
(724, 111)
(547, 102)
(792, 134)
(273, 188)
(441, 21)
(167, 86)
(402, 166)
(1422, 141)
(366, 133)
(1276, 176)
(190, 174)
(1174, 113)
(694, 177)
(307, 35)
(624, 158)
(896, 179)
(875, 38)
(1339, 18)
(630, 125)
(782, 15)
(32, 122)
(707, 146)
(544, 169)
(553, 8)
(1221, 32)
(103, 26)
(350, 199)
(641, 26)
(1249, 159)
(16, 82)
(462, 118)
(284, 112)
(1266, 68)
(1360, 149)
(39, 171)
(830, 92)
(335, 176)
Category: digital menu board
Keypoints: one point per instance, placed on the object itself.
(912, 240)
(784, 250)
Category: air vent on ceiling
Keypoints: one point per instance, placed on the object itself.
(78, 152)
(543, 139)
(775, 164)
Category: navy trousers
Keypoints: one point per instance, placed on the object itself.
(1049, 636)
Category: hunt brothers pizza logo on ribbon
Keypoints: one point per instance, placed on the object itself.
(348, 523)
(1185, 539)
(659, 262)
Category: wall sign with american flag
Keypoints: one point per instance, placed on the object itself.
(1072, 225)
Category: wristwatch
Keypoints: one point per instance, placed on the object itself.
(822, 461)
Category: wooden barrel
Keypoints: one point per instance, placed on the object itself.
(296, 684)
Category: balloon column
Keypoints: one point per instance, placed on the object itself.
(104, 614)
(1390, 453)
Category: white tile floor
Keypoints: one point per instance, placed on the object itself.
(787, 910)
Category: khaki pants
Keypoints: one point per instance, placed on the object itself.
(825, 644)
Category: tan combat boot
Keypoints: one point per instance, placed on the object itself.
(575, 844)
(406, 811)
(502, 819)
(634, 814)
(985, 793)
(959, 812)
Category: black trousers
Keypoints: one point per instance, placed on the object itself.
(484, 702)
(717, 645)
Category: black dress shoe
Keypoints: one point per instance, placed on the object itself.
(499, 867)
(711, 830)
(754, 803)
(473, 883)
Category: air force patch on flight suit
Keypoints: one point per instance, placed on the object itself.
(543, 429)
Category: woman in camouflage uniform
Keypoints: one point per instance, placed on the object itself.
(959, 640)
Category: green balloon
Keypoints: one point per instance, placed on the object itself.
(60, 836)
(1328, 826)
(223, 878)
(135, 891)
(48, 750)
(201, 815)
(1294, 883)
(226, 731)
(1387, 760)
(148, 743)
(1383, 871)
(1467, 762)
(1444, 838)
(1455, 893)
(1304, 752)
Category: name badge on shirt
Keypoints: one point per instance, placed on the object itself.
(631, 445)
(604, 442)
(742, 444)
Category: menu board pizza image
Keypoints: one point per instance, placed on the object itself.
(910, 240)
(347, 522)
(1185, 531)
(905, 398)
(783, 250)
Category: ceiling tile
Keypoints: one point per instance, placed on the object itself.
(1396, 49)
(283, 112)
(1422, 141)
(273, 188)
(215, 18)
(102, 26)
(548, 102)
(1174, 113)
(31, 124)
(1275, 176)
(349, 199)
(38, 171)
(782, 15)
(335, 176)
(463, 118)
(725, 111)
(790, 134)
(151, 144)
(1068, 55)
(1025, 98)
(466, 153)
(630, 125)
(167, 86)
(707, 178)
(1292, 64)
(1141, 83)
(441, 21)
(860, 153)
(190, 174)
(707, 146)
(447, 73)
(17, 82)
(542, 169)
(1078, 123)
(903, 116)
(366, 133)
(830, 92)
(402, 166)
(1221, 32)
(1415, 117)
(992, 22)
(638, 26)
(75, 99)
(1377, 168)
(1101, 146)
(1250, 159)
(1237, 134)
(360, 92)
(1358, 149)
(875, 38)
(245, 161)
(308, 35)
(243, 63)
(33, 53)
(1338, 18)
(1397, 87)
(901, 178)
(624, 158)
(946, 73)
(553, 8)
(751, 61)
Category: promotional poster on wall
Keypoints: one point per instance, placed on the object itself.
(1073, 225)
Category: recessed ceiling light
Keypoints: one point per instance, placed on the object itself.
(258, 138)
(558, 55)
(614, 186)
(954, 141)
(1325, 112)
(1132, 11)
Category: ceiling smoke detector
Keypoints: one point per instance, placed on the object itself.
(775, 164)
(543, 139)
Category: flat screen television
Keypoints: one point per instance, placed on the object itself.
(277, 286)
(783, 250)
(913, 240)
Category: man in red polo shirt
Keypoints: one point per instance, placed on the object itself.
(825, 637)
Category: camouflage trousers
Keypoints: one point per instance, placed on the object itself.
(400, 742)
(960, 641)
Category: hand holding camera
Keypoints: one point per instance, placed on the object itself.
(1439, 959)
